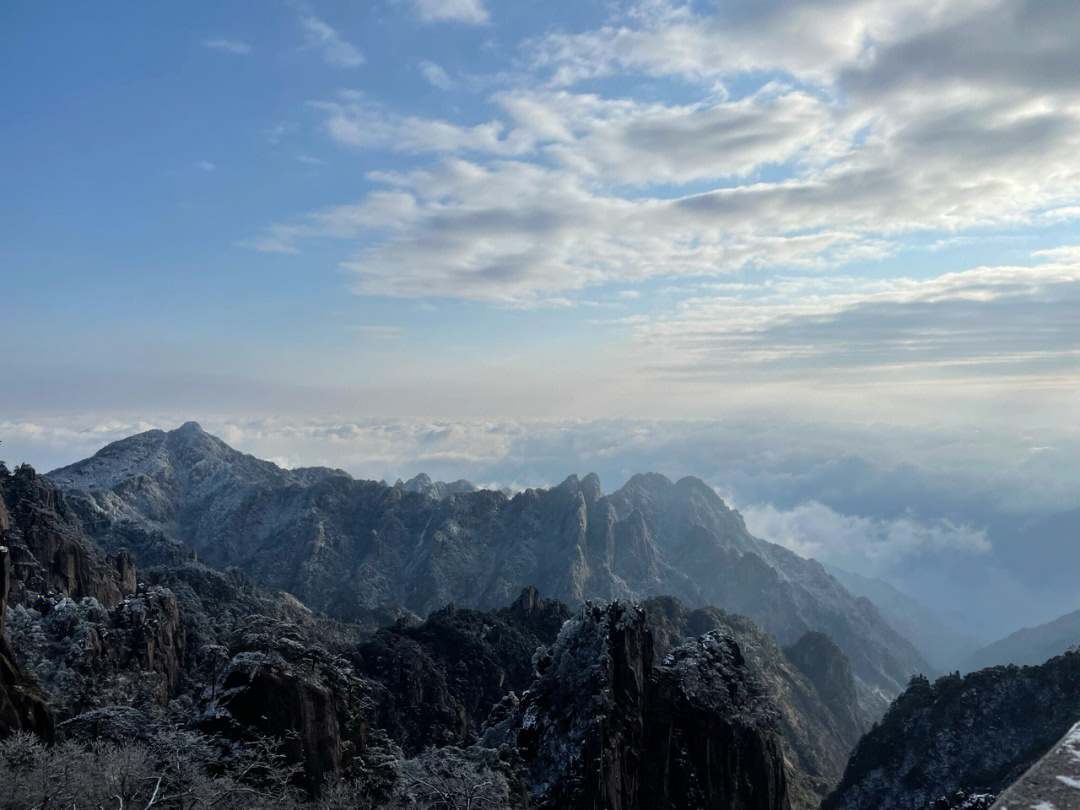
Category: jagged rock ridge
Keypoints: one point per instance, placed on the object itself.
(436, 489)
(345, 546)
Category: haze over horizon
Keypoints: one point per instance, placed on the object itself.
(823, 256)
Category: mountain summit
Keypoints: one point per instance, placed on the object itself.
(348, 546)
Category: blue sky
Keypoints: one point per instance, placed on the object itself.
(843, 218)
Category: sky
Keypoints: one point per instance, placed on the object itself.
(824, 255)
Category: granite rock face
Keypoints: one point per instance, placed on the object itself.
(345, 546)
(21, 705)
(1052, 783)
(48, 548)
(818, 730)
(602, 727)
(313, 707)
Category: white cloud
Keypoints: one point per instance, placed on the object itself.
(810, 40)
(854, 149)
(205, 165)
(624, 141)
(989, 322)
(335, 50)
(814, 530)
(471, 12)
(386, 210)
(233, 46)
(436, 75)
(354, 120)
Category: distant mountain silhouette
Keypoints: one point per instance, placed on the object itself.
(942, 645)
(1032, 645)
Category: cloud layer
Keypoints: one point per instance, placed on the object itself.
(873, 122)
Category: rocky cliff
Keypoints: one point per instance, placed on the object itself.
(810, 684)
(346, 546)
(1052, 783)
(49, 550)
(21, 705)
(602, 727)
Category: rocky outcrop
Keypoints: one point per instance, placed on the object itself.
(21, 706)
(154, 637)
(93, 636)
(85, 655)
(311, 704)
(974, 734)
(443, 676)
(282, 705)
(602, 727)
(703, 694)
(821, 661)
(49, 551)
(345, 546)
(816, 733)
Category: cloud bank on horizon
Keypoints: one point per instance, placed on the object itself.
(775, 215)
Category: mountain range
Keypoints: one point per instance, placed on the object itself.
(351, 547)
(1031, 645)
(614, 705)
(158, 679)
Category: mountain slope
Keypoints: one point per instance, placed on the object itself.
(345, 546)
(971, 734)
(1032, 645)
(941, 645)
